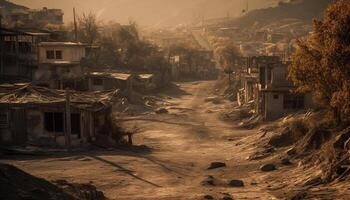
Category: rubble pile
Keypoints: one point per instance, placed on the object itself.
(81, 191)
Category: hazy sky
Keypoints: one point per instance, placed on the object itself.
(148, 12)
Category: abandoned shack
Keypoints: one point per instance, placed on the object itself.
(38, 115)
(108, 80)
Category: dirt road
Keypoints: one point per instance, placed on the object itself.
(171, 157)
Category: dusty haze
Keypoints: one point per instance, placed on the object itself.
(151, 12)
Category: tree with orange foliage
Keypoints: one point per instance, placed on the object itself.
(321, 63)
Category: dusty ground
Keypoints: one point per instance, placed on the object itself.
(172, 155)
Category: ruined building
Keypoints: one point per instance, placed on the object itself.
(38, 115)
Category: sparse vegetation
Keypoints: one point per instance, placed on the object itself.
(321, 64)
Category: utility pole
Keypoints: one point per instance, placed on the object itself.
(247, 8)
(68, 120)
(75, 26)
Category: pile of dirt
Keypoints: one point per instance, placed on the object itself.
(15, 184)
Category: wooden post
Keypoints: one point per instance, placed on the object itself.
(68, 119)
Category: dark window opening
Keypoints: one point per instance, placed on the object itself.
(59, 55)
(50, 54)
(275, 96)
(4, 123)
(293, 101)
(97, 81)
(75, 124)
(54, 122)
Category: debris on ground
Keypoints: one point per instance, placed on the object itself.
(236, 183)
(268, 167)
(161, 111)
(81, 191)
(313, 181)
(215, 165)
(208, 197)
(212, 181)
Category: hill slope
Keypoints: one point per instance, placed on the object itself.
(304, 10)
(10, 6)
(151, 12)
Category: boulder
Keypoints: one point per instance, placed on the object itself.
(236, 183)
(215, 165)
(268, 168)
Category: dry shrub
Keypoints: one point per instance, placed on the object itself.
(293, 130)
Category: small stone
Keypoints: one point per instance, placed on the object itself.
(227, 196)
(236, 183)
(215, 165)
(268, 168)
(285, 161)
(209, 181)
(313, 181)
(208, 197)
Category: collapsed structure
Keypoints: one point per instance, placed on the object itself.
(265, 83)
(42, 116)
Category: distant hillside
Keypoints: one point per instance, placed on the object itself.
(9, 6)
(152, 12)
(304, 10)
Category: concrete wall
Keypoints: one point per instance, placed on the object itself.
(274, 106)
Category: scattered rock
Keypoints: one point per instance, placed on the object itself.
(209, 181)
(81, 191)
(313, 181)
(208, 197)
(215, 165)
(285, 161)
(268, 168)
(227, 196)
(236, 183)
(161, 111)
(299, 196)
